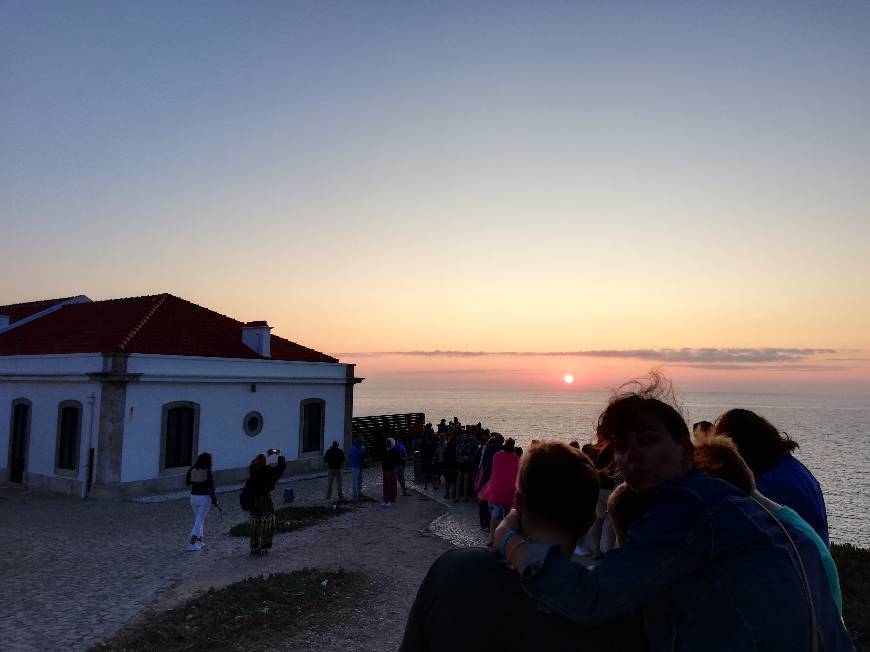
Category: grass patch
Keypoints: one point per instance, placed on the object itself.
(288, 519)
(853, 564)
(243, 614)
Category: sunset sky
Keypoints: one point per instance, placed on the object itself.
(615, 185)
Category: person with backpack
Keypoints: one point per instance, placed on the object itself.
(257, 498)
(202, 496)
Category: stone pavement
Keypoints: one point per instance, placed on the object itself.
(75, 571)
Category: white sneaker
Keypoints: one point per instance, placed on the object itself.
(192, 547)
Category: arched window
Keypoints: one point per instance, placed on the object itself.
(180, 435)
(312, 413)
(19, 436)
(69, 428)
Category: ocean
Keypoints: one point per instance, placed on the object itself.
(833, 430)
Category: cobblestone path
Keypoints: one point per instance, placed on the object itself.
(72, 572)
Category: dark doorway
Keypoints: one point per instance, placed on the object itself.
(18, 441)
(312, 426)
(179, 437)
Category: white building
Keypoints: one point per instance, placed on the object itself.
(119, 397)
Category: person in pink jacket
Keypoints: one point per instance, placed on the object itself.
(499, 491)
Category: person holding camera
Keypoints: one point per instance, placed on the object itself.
(263, 477)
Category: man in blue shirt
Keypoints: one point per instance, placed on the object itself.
(357, 456)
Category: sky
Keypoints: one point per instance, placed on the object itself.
(618, 185)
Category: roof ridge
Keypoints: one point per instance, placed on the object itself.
(138, 327)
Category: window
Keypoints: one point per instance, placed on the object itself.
(69, 427)
(311, 425)
(18, 439)
(253, 424)
(180, 434)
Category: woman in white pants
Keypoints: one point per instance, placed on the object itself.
(202, 496)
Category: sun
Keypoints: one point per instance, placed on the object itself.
(569, 379)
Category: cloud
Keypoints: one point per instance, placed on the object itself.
(443, 372)
(726, 366)
(701, 356)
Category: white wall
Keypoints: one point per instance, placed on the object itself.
(45, 398)
(222, 388)
(223, 407)
(178, 365)
(73, 363)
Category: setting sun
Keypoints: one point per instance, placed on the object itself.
(569, 378)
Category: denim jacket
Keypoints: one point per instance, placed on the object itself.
(709, 568)
(790, 483)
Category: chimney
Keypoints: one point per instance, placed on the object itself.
(257, 337)
(4, 321)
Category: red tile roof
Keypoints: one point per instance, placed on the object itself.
(161, 324)
(17, 311)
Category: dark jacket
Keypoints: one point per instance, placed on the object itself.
(489, 452)
(709, 567)
(264, 477)
(470, 600)
(334, 457)
(450, 457)
(201, 488)
(391, 459)
(790, 483)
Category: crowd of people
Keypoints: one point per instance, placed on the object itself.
(650, 538)
(474, 463)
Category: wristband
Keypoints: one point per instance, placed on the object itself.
(504, 542)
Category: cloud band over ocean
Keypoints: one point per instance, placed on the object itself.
(696, 356)
(704, 355)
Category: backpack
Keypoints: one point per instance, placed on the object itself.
(246, 498)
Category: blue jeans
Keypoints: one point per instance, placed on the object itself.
(356, 482)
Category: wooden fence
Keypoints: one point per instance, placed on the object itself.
(374, 430)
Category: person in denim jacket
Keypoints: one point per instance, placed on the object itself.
(708, 567)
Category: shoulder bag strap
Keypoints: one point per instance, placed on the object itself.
(814, 638)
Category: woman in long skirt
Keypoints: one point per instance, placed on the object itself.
(262, 525)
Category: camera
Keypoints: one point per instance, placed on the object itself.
(273, 451)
